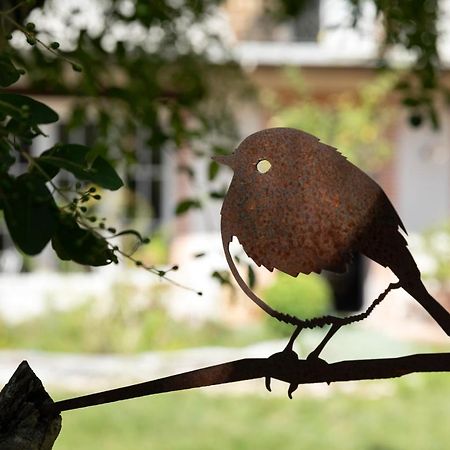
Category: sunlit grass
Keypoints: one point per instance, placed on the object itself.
(122, 330)
(410, 413)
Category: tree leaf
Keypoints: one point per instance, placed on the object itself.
(73, 158)
(30, 213)
(222, 276)
(6, 159)
(27, 109)
(8, 73)
(83, 246)
(251, 277)
(213, 170)
(217, 195)
(42, 169)
(21, 128)
(410, 101)
(186, 205)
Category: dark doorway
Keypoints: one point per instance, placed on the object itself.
(348, 287)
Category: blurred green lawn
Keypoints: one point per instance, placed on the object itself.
(408, 413)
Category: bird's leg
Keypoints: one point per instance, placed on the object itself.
(286, 357)
(290, 344)
(331, 332)
(338, 323)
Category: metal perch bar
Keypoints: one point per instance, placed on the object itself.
(293, 371)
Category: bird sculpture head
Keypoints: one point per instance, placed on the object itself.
(268, 156)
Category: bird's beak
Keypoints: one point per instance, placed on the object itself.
(227, 160)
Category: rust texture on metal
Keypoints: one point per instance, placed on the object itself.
(309, 212)
(306, 208)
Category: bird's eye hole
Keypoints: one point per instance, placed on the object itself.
(263, 166)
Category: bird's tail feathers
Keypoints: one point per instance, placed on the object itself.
(430, 304)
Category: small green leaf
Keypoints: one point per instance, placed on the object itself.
(83, 246)
(223, 277)
(8, 73)
(410, 101)
(37, 112)
(213, 170)
(74, 158)
(186, 205)
(217, 195)
(251, 277)
(30, 213)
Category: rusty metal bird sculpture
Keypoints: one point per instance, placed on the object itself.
(299, 206)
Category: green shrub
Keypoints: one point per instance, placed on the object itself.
(304, 297)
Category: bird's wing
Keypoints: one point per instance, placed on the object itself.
(339, 204)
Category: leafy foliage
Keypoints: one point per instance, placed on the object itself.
(31, 212)
(160, 90)
(8, 73)
(144, 69)
(411, 27)
(83, 246)
(75, 159)
(355, 125)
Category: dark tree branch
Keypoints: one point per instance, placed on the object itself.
(290, 370)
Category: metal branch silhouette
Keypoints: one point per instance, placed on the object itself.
(294, 371)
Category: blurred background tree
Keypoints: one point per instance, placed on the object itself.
(163, 69)
(410, 29)
(350, 122)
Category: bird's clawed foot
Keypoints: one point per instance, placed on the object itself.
(284, 360)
